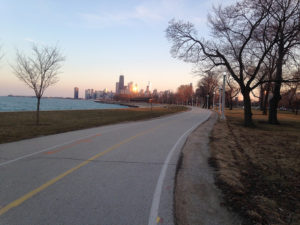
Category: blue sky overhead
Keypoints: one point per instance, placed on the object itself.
(100, 40)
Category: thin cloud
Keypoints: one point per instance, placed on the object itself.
(138, 14)
(151, 12)
(146, 12)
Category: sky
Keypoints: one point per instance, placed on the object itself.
(100, 40)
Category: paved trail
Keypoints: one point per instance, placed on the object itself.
(117, 174)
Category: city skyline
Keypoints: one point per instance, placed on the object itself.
(100, 40)
(120, 89)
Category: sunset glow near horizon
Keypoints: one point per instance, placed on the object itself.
(100, 40)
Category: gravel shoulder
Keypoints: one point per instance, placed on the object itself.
(197, 199)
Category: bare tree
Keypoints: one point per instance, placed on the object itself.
(39, 71)
(290, 92)
(284, 17)
(207, 85)
(289, 77)
(268, 71)
(185, 93)
(234, 46)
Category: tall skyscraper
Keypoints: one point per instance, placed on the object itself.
(117, 87)
(121, 83)
(76, 92)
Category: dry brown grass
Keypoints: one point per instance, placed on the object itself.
(258, 168)
(21, 125)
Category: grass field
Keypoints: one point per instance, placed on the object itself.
(21, 125)
(258, 169)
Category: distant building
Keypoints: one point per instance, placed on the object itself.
(117, 88)
(98, 94)
(148, 89)
(121, 83)
(123, 91)
(89, 93)
(149, 86)
(76, 92)
(130, 87)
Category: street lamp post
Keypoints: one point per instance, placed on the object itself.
(223, 97)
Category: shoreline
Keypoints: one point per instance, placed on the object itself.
(22, 104)
(116, 103)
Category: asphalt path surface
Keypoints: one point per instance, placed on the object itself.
(117, 174)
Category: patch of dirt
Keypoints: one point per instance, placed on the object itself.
(197, 199)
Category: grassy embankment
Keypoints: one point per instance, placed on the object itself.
(258, 169)
(21, 125)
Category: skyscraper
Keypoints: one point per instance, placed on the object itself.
(121, 83)
(117, 87)
(76, 92)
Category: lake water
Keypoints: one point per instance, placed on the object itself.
(11, 104)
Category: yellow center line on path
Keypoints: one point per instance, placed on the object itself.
(30, 194)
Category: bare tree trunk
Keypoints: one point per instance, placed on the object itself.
(38, 111)
(273, 106)
(210, 101)
(230, 103)
(248, 122)
(277, 86)
(261, 98)
(290, 105)
(265, 106)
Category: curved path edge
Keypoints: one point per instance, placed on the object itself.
(197, 200)
(162, 210)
